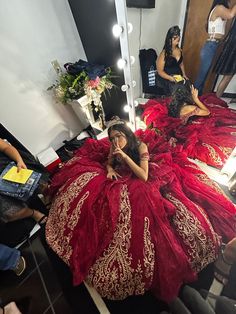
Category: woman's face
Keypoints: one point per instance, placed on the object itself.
(118, 138)
(175, 40)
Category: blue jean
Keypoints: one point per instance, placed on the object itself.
(9, 257)
(207, 54)
(18, 190)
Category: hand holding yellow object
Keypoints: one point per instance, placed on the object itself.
(178, 78)
(14, 175)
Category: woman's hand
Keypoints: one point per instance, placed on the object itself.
(20, 165)
(117, 150)
(172, 79)
(112, 174)
(194, 93)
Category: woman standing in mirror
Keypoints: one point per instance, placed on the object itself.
(226, 63)
(170, 66)
(216, 21)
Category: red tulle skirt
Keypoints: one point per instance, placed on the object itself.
(126, 236)
(210, 139)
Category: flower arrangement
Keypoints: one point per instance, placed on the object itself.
(82, 78)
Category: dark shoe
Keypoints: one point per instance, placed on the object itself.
(20, 267)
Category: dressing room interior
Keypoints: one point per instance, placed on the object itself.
(118, 157)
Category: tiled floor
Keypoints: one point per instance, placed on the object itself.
(38, 283)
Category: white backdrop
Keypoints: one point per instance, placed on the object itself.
(33, 33)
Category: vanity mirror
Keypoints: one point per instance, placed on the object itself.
(151, 26)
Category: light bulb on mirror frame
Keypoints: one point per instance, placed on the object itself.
(136, 103)
(124, 88)
(117, 30)
(130, 28)
(121, 63)
(126, 108)
(132, 60)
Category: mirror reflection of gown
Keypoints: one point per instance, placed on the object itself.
(127, 236)
(210, 139)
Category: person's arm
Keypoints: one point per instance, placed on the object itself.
(111, 173)
(12, 153)
(141, 171)
(203, 109)
(160, 67)
(225, 13)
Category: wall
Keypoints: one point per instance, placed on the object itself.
(231, 89)
(150, 28)
(33, 33)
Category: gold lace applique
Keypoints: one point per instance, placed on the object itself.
(213, 154)
(112, 274)
(200, 246)
(194, 166)
(226, 150)
(72, 160)
(56, 236)
(206, 180)
(149, 252)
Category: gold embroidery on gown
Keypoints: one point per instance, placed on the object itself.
(149, 252)
(213, 154)
(206, 180)
(200, 247)
(112, 274)
(226, 150)
(56, 234)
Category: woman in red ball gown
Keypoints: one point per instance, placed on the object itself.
(128, 215)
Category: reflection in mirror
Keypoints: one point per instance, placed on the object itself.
(150, 28)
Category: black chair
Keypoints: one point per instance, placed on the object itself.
(147, 58)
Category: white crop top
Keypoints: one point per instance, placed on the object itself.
(217, 26)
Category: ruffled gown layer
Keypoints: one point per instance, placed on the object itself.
(127, 236)
(210, 139)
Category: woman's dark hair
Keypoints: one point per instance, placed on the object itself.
(133, 143)
(181, 95)
(173, 31)
(225, 3)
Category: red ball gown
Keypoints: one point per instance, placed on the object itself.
(210, 139)
(127, 236)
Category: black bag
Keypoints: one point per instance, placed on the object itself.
(92, 70)
(147, 58)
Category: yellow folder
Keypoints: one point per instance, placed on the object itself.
(19, 177)
(178, 78)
